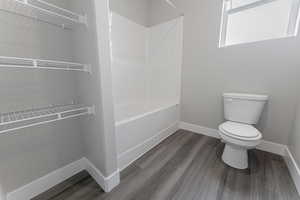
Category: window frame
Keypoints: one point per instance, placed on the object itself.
(293, 24)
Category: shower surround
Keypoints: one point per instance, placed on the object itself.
(146, 73)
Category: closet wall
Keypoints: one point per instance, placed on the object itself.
(30, 153)
(92, 46)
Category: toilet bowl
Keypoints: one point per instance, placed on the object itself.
(241, 111)
(238, 139)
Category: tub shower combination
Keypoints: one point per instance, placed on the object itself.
(146, 70)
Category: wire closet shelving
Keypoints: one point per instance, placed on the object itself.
(54, 15)
(15, 62)
(43, 11)
(13, 121)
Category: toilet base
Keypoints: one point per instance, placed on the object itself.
(235, 156)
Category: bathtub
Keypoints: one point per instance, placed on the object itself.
(141, 127)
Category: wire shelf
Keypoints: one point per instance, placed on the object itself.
(13, 121)
(14, 62)
(45, 12)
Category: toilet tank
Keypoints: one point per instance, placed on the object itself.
(243, 108)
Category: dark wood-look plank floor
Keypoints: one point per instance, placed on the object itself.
(187, 166)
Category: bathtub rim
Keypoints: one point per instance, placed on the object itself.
(131, 119)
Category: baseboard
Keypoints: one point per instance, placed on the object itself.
(275, 148)
(199, 129)
(44, 183)
(131, 155)
(106, 183)
(267, 146)
(56, 177)
(293, 168)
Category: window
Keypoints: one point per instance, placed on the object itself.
(245, 21)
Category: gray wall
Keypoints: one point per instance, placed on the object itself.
(30, 153)
(136, 10)
(269, 67)
(166, 12)
(62, 3)
(294, 144)
(100, 143)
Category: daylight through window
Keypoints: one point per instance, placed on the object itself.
(245, 21)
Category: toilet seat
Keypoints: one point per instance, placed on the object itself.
(240, 131)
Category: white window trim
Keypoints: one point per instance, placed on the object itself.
(224, 22)
(249, 6)
(294, 17)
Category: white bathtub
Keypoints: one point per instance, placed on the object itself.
(139, 128)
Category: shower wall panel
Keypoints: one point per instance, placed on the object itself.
(164, 63)
(146, 64)
(129, 61)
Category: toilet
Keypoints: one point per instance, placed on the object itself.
(241, 111)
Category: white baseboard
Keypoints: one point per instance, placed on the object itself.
(199, 129)
(293, 168)
(267, 146)
(134, 153)
(275, 148)
(56, 177)
(106, 183)
(44, 183)
(48, 181)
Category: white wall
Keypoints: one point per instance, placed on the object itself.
(166, 12)
(135, 10)
(269, 67)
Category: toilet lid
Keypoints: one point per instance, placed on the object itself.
(240, 130)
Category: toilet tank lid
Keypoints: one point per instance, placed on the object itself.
(256, 97)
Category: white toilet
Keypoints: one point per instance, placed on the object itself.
(242, 111)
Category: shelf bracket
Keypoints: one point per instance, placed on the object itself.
(88, 68)
(92, 110)
(59, 116)
(35, 63)
(83, 19)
